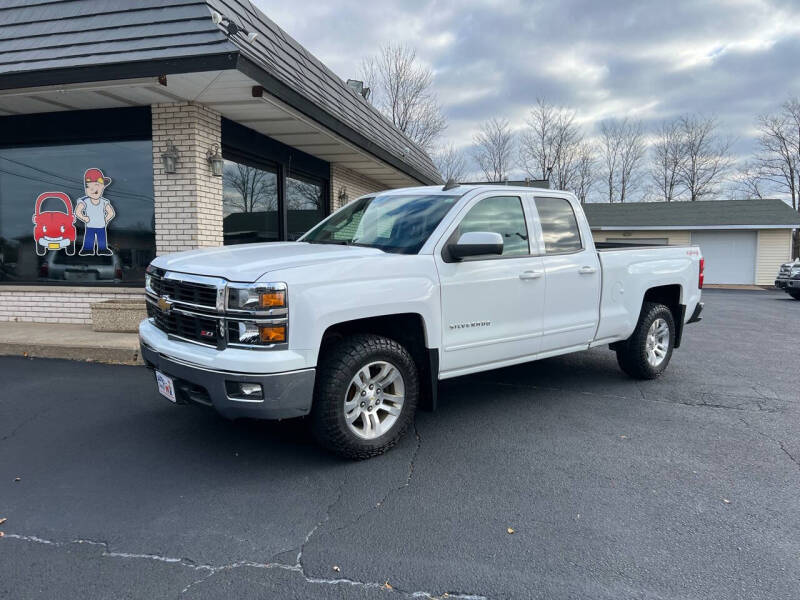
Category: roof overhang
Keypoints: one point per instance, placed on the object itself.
(224, 83)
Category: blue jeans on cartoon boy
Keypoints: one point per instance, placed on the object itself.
(94, 235)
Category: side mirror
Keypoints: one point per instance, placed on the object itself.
(476, 243)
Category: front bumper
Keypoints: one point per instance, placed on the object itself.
(788, 284)
(285, 395)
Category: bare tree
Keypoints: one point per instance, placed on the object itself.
(706, 157)
(622, 149)
(450, 162)
(749, 183)
(549, 144)
(402, 91)
(777, 160)
(585, 171)
(667, 160)
(252, 190)
(494, 144)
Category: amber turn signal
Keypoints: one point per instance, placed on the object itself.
(273, 299)
(272, 334)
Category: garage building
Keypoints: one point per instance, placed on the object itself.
(743, 241)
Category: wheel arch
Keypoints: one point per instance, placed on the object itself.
(671, 296)
(408, 329)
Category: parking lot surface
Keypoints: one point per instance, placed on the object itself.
(683, 487)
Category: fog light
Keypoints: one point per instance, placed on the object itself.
(244, 390)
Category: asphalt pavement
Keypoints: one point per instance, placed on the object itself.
(684, 487)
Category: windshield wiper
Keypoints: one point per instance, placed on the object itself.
(334, 242)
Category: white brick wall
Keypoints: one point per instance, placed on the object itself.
(43, 304)
(354, 185)
(188, 202)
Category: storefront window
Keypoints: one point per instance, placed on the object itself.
(305, 206)
(250, 204)
(76, 213)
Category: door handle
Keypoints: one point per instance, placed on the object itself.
(587, 270)
(530, 274)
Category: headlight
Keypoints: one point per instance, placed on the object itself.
(250, 332)
(257, 297)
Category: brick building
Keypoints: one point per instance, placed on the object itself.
(202, 123)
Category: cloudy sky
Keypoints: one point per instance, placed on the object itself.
(649, 60)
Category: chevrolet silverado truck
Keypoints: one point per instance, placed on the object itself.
(356, 322)
(788, 278)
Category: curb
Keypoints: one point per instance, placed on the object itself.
(109, 355)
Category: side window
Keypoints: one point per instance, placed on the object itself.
(559, 226)
(503, 215)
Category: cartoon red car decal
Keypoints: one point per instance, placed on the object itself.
(54, 229)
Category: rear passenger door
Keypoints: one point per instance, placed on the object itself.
(572, 274)
(491, 305)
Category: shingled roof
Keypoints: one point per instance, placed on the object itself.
(51, 42)
(692, 215)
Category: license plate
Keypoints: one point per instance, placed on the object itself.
(53, 246)
(80, 276)
(166, 387)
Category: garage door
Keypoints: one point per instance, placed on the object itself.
(730, 255)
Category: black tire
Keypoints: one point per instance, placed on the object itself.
(336, 369)
(632, 353)
(795, 294)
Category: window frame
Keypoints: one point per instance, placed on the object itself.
(456, 225)
(535, 208)
(68, 128)
(246, 146)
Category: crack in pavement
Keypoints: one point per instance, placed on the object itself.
(299, 568)
(390, 491)
(780, 444)
(212, 570)
(27, 421)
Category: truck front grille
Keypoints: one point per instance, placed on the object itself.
(177, 290)
(190, 327)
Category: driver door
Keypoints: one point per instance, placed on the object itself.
(492, 306)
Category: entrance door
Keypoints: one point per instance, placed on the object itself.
(491, 305)
(730, 255)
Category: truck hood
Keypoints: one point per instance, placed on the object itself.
(250, 262)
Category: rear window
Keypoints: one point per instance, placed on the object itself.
(62, 258)
(559, 226)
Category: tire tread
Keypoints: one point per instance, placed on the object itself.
(333, 376)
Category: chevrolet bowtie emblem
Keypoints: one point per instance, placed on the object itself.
(164, 304)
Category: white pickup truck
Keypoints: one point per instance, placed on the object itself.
(356, 322)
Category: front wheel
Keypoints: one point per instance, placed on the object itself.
(365, 396)
(646, 354)
(795, 294)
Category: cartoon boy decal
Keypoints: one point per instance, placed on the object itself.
(96, 212)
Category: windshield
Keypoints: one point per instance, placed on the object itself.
(399, 224)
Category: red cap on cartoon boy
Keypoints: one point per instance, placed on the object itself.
(96, 175)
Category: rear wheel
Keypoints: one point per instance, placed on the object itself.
(646, 354)
(365, 396)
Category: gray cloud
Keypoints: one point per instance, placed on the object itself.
(612, 58)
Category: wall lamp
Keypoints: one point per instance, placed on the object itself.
(170, 158)
(343, 198)
(216, 161)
